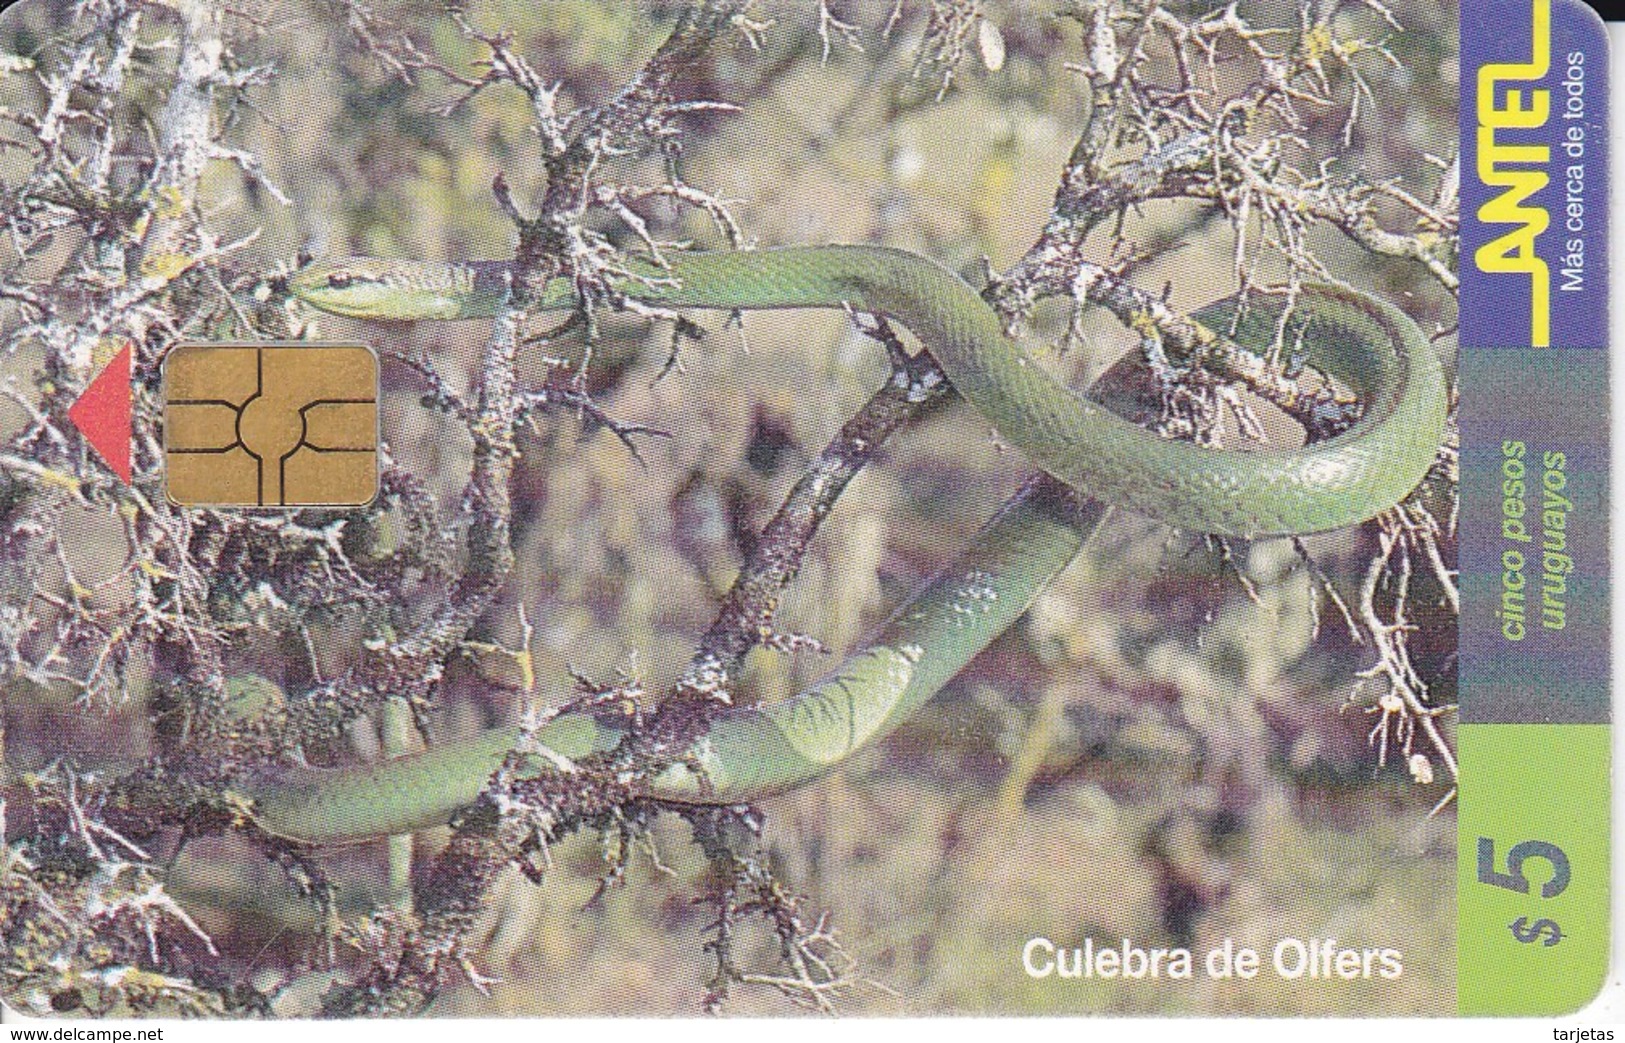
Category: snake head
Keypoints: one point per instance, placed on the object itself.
(382, 288)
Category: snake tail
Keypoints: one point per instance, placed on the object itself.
(748, 752)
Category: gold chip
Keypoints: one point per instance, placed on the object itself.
(271, 425)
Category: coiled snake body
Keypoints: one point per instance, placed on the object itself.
(1366, 344)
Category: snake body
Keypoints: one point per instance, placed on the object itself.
(1366, 344)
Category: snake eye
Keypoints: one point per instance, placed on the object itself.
(339, 281)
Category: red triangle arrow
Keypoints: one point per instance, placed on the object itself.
(102, 414)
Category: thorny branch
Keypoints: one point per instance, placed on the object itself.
(817, 969)
(745, 619)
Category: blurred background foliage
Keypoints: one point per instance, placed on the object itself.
(1171, 748)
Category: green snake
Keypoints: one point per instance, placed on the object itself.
(1368, 345)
